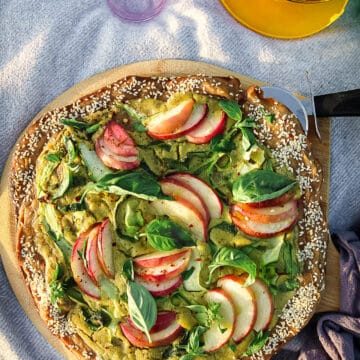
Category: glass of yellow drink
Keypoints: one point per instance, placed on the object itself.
(287, 19)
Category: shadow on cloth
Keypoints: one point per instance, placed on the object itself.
(334, 335)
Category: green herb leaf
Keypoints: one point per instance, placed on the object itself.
(70, 148)
(207, 315)
(128, 269)
(132, 112)
(142, 307)
(93, 128)
(289, 285)
(164, 234)
(290, 259)
(187, 273)
(228, 256)
(139, 127)
(75, 123)
(248, 138)
(65, 184)
(259, 185)
(221, 143)
(258, 342)
(137, 182)
(270, 118)
(231, 108)
(96, 319)
(52, 158)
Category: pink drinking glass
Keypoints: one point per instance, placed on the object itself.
(136, 10)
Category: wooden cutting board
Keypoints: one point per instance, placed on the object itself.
(330, 297)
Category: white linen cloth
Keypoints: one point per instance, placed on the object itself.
(48, 46)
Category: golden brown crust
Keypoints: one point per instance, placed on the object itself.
(284, 138)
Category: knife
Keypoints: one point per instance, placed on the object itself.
(345, 103)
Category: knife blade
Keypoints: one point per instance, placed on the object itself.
(345, 103)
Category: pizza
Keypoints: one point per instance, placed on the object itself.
(170, 218)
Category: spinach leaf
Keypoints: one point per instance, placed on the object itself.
(228, 256)
(139, 127)
(93, 128)
(137, 182)
(289, 285)
(70, 148)
(258, 342)
(164, 234)
(142, 307)
(259, 185)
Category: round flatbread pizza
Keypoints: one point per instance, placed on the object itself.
(170, 218)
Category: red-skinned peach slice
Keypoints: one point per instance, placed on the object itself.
(163, 320)
(123, 147)
(115, 161)
(212, 125)
(105, 249)
(265, 215)
(278, 201)
(159, 258)
(160, 336)
(162, 288)
(119, 133)
(165, 272)
(197, 116)
(185, 213)
(170, 121)
(80, 274)
(265, 305)
(243, 299)
(93, 264)
(205, 191)
(220, 333)
(177, 189)
(261, 230)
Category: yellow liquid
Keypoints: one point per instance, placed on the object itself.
(285, 19)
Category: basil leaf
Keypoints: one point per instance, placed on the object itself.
(164, 234)
(142, 307)
(231, 108)
(138, 183)
(228, 256)
(258, 342)
(259, 185)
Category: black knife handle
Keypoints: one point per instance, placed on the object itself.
(346, 103)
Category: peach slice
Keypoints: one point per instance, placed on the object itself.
(220, 333)
(80, 274)
(244, 302)
(170, 121)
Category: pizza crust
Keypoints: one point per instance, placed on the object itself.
(286, 137)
